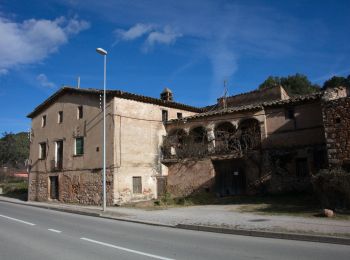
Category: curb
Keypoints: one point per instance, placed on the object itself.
(268, 234)
(241, 232)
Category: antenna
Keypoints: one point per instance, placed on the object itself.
(78, 82)
(224, 99)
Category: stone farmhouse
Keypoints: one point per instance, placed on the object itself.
(257, 142)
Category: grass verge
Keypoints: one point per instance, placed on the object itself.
(17, 189)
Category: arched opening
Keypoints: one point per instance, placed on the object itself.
(174, 143)
(250, 134)
(198, 135)
(197, 142)
(225, 138)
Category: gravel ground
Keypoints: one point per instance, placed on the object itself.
(223, 216)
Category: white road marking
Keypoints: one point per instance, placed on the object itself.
(18, 220)
(125, 249)
(54, 230)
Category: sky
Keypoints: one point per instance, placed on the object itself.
(190, 46)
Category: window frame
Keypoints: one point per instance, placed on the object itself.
(165, 115)
(75, 146)
(42, 151)
(60, 117)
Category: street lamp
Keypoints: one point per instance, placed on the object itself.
(104, 53)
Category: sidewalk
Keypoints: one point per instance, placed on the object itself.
(217, 218)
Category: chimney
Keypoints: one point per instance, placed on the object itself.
(166, 95)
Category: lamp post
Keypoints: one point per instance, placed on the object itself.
(104, 53)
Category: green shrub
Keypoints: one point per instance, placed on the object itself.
(332, 187)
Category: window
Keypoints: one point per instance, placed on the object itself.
(290, 113)
(43, 121)
(164, 115)
(136, 184)
(79, 146)
(42, 151)
(302, 167)
(179, 115)
(337, 120)
(80, 112)
(320, 159)
(60, 117)
(59, 155)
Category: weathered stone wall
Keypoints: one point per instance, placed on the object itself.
(189, 177)
(85, 187)
(279, 173)
(74, 187)
(38, 187)
(336, 118)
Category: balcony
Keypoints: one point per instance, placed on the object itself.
(224, 140)
(56, 165)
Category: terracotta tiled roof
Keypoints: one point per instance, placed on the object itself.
(113, 93)
(250, 107)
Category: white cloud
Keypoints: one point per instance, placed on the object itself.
(167, 36)
(134, 32)
(33, 40)
(44, 81)
(155, 35)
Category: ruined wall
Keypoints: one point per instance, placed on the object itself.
(279, 169)
(336, 118)
(189, 177)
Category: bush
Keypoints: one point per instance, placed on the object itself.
(332, 187)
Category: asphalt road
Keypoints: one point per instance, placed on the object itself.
(33, 233)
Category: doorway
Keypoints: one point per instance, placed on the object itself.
(53, 187)
(229, 177)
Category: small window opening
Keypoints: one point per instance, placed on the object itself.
(60, 117)
(337, 120)
(43, 121)
(164, 115)
(80, 112)
(290, 114)
(179, 115)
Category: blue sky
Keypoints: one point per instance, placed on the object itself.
(189, 46)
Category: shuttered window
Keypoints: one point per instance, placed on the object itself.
(79, 145)
(137, 184)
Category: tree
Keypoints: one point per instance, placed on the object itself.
(297, 84)
(337, 82)
(14, 149)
